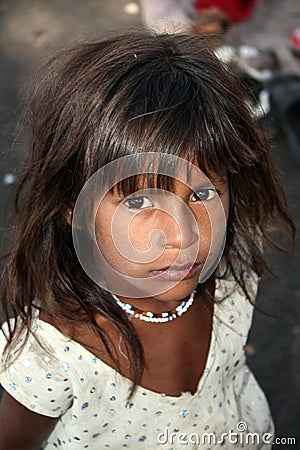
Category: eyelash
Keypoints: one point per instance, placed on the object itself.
(136, 199)
(137, 203)
(210, 191)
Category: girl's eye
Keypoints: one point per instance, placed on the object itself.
(204, 195)
(138, 203)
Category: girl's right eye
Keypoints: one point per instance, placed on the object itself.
(138, 203)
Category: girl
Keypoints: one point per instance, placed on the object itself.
(144, 157)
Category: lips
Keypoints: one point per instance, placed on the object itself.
(176, 272)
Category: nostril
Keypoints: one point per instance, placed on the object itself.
(158, 237)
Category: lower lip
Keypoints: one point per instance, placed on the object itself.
(176, 275)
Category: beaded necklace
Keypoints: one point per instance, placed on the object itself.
(149, 316)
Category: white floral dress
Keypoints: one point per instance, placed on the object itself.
(90, 398)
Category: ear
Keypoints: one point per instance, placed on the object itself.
(68, 214)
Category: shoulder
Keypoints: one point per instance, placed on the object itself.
(232, 307)
(36, 374)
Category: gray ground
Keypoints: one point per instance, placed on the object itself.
(31, 29)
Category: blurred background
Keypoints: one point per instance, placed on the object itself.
(265, 48)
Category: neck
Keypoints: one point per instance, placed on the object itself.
(163, 317)
(155, 304)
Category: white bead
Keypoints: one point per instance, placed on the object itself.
(148, 316)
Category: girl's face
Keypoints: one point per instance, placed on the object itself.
(157, 236)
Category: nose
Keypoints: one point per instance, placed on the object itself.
(178, 228)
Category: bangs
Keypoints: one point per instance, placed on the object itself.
(157, 171)
(150, 170)
(172, 108)
(130, 185)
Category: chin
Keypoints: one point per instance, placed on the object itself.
(178, 292)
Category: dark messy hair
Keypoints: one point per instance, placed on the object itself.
(127, 93)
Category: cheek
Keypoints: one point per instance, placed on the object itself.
(225, 203)
(142, 229)
(139, 236)
(212, 222)
(122, 237)
(103, 232)
(204, 230)
(132, 233)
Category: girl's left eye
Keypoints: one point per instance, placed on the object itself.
(138, 203)
(203, 195)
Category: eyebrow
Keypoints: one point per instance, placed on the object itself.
(162, 191)
(215, 182)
